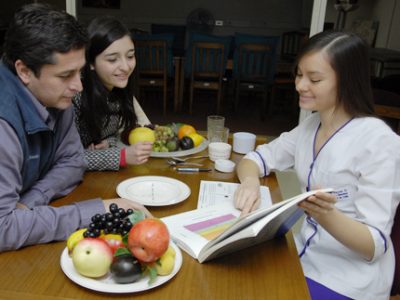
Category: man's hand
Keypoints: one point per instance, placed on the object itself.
(102, 145)
(126, 204)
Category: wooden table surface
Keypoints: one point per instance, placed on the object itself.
(270, 270)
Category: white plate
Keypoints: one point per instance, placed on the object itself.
(197, 149)
(153, 190)
(106, 283)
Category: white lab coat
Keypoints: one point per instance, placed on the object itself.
(362, 163)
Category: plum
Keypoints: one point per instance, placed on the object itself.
(126, 269)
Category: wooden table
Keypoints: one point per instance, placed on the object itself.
(270, 270)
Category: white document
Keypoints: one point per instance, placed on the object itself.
(218, 192)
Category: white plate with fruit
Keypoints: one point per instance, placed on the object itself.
(107, 284)
(173, 140)
(121, 252)
(154, 190)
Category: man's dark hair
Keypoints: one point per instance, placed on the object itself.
(37, 32)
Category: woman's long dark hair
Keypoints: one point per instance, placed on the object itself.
(103, 31)
(349, 57)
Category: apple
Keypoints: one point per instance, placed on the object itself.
(114, 241)
(92, 257)
(141, 134)
(165, 265)
(148, 239)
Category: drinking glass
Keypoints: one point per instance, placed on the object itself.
(214, 122)
(220, 134)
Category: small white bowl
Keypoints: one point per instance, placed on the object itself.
(224, 165)
(218, 150)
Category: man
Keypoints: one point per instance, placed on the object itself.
(40, 150)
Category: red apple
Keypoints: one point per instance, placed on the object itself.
(92, 257)
(148, 239)
(114, 241)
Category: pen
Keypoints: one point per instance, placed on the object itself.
(193, 169)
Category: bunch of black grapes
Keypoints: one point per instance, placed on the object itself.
(115, 222)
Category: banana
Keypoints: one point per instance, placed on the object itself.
(74, 238)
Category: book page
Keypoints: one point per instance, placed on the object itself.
(219, 192)
(192, 230)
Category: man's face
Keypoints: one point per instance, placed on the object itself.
(58, 82)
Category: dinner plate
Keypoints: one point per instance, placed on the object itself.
(106, 283)
(197, 149)
(153, 190)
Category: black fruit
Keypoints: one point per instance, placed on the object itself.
(126, 269)
(186, 143)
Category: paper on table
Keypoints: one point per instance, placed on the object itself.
(218, 192)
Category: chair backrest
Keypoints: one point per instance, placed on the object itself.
(196, 37)
(243, 39)
(143, 40)
(151, 57)
(291, 43)
(256, 63)
(396, 245)
(208, 60)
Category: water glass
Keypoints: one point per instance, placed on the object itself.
(214, 122)
(220, 134)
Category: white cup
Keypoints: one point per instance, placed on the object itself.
(244, 142)
(218, 150)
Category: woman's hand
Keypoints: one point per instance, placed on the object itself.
(126, 204)
(319, 205)
(247, 196)
(138, 153)
(102, 145)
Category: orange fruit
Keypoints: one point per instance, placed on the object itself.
(185, 130)
(196, 138)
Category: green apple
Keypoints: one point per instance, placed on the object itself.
(92, 257)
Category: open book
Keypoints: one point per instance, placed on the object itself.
(217, 230)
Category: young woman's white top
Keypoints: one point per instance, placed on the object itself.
(361, 162)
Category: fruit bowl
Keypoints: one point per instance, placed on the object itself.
(107, 285)
(180, 153)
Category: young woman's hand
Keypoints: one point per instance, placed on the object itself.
(138, 153)
(247, 196)
(319, 205)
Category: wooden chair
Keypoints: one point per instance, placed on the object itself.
(152, 61)
(291, 43)
(254, 72)
(208, 68)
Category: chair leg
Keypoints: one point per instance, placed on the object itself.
(191, 98)
(236, 104)
(272, 91)
(165, 99)
(219, 96)
(264, 105)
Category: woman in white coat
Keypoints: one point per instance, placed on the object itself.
(344, 242)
